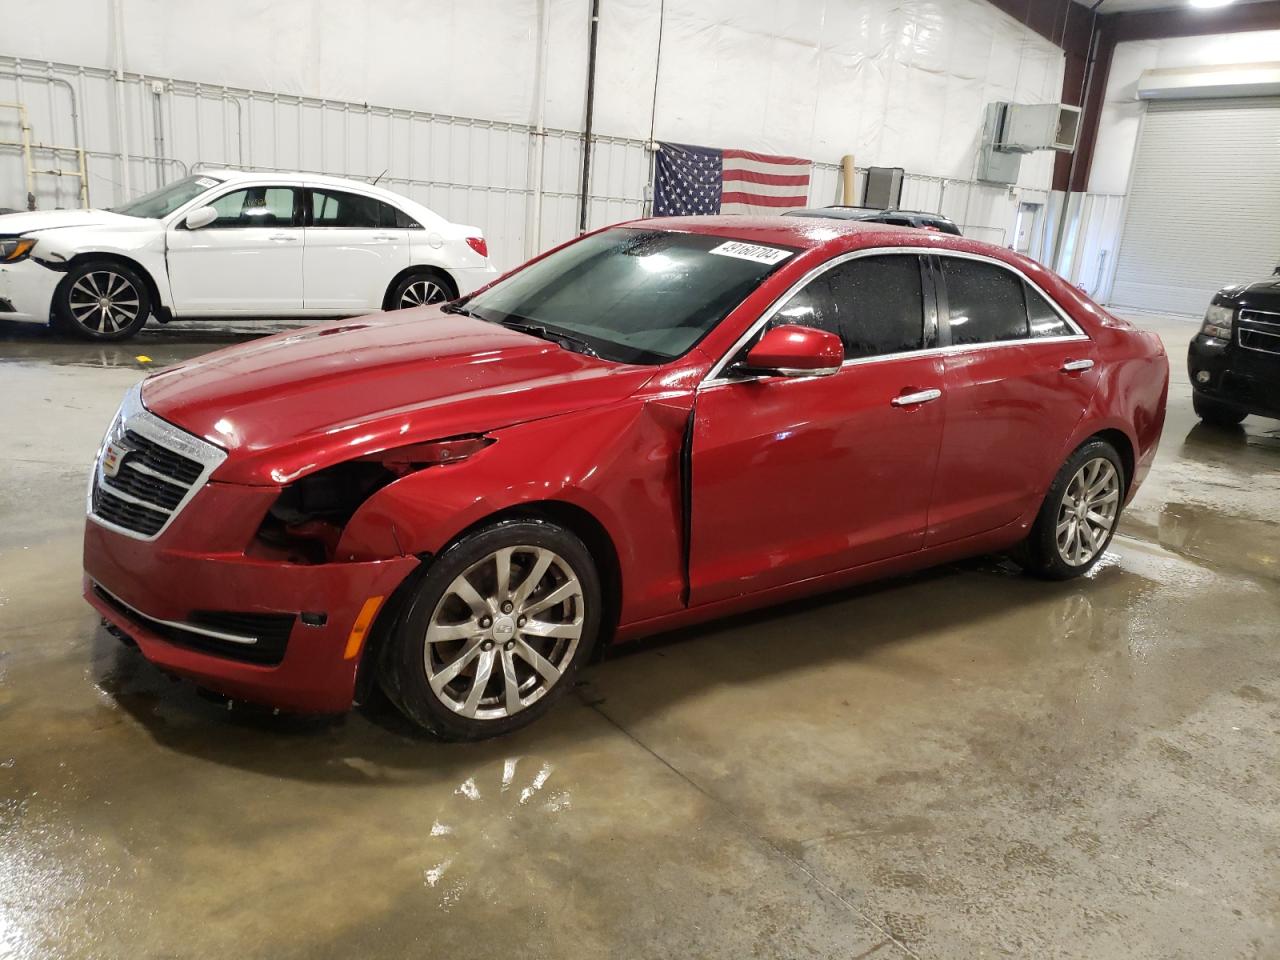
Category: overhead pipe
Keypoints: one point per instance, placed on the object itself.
(591, 103)
(157, 127)
(533, 239)
(117, 25)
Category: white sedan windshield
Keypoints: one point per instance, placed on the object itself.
(162, 202)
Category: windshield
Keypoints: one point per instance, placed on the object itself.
(162, 202)
(632, 295)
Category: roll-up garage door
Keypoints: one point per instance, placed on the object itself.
(1204, 203)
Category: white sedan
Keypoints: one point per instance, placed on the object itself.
(227, 244)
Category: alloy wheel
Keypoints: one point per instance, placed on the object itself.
(103, 301)
(1088, 511)
(421, 292)
(503, 632)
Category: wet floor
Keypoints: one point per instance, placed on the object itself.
(965, 763)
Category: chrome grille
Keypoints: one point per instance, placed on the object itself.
(147, 471)
(1259, 330)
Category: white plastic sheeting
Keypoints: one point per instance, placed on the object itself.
(346, 88)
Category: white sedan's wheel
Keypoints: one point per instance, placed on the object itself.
(419, 293)
(102, 300)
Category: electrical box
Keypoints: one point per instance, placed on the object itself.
(994, 165)
(1039, 126)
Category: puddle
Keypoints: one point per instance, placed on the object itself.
(474, 846)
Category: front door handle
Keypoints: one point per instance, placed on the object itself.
(283, 237)
(920, 396)
(1074, 366)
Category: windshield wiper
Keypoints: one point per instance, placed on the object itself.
(457, 308)
(566, 340)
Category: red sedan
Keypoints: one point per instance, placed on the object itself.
(655, 424)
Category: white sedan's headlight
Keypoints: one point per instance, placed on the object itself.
(1218, 322)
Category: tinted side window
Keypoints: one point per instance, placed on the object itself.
(331, 208)
(395, 217)
(255, 207)
(880, 305)
(812, 306)
(985, 302)
(1045, 321)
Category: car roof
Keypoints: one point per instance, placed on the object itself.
(841, 212)
(810, 233)
(323, 180)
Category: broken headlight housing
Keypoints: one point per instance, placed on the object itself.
(306, 521)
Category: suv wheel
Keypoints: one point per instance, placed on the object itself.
(102, 300)
(494, 632)
(1216, 412)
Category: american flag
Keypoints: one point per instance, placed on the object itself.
(704, 180)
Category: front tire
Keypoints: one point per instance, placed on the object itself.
(102, 300)
(1079, 515)
(494, 632)
(1216, 412)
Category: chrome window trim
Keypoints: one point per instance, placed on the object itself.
(180, 624)
(714, 375)
(132, 415)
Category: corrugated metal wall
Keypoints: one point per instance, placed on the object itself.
(469, 170)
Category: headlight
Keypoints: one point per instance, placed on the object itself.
(129, 407)
(114, 437)
(1218, 321)
(16, 248)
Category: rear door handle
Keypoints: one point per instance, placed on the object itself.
(1071, 366)
(382, 237)
(283, 237)
(920, 396)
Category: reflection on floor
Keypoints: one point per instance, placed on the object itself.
(958, 764)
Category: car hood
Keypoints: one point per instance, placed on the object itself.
(36, 220)
(1259, 295)
(293, 403)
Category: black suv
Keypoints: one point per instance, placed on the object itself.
(898, 218)
(1234, 361)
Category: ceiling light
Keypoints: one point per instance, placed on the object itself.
(1209, 4)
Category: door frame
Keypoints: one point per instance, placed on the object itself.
(933, 284)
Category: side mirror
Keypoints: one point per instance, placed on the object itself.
(201, 217)
(795, 351)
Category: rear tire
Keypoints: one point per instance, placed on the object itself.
(1216, 412)
(1079, 515)
(495, 632)
(421, 288)
(101, 300)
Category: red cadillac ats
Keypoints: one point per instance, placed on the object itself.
(658, 423)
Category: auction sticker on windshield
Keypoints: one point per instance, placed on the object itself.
(751, 251)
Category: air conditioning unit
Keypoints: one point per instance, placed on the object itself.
(1039, 126)
(1012, 129)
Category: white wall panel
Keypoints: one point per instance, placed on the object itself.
(358, 88)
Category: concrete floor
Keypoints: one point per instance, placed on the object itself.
(966, 763)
